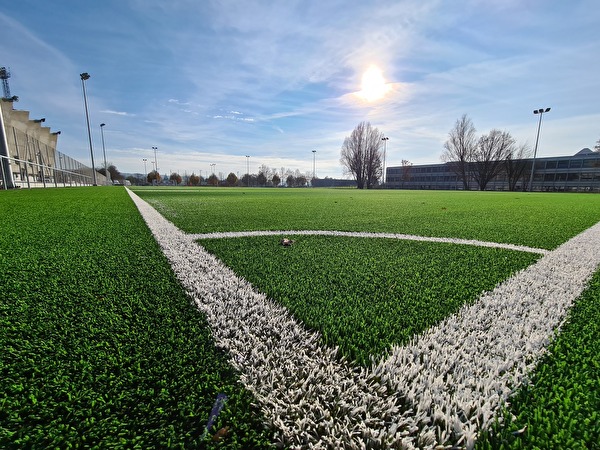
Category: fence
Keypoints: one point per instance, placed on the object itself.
(19, 173)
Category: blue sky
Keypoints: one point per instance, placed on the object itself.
(209, 82)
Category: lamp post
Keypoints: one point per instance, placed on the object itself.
(155, 161)
(145, 172)
(314, 165)
(86, 76)
(248, 169)
(384, 139)
(541, 112)
(108, 179)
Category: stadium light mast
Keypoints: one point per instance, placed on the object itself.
(314, 165)
(155, 161)
(106, 174)
(384, 139)
(248, 169)
(86, 76)
(541, 112)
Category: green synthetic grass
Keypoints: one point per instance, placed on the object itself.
(535, 219)
(365, 294)
(560, 408)
(99, 345)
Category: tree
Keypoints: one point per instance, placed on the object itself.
(134, 180)
(361, 155)
(175, 178)
(213, 180)
(597, 146)
(290, 181)
(275, 180)
(232, 179)
(516, 165)
(488, 156)
(301, 181)
(194, 179)
(261, 179)
(406, 166)
(154, 177)
(114, 173)
(459, 149)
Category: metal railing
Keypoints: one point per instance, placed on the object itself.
(19, 173)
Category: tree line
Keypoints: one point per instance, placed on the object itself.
(265, 177)
(483, 158)
(470, 157)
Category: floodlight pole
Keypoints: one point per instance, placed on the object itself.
(106, 174)
(314, 165)
(86, 76)
(248, 169)
(384, 139)
(155, 161)
(541, 112)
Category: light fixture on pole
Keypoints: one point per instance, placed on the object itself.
(314, 165)
(145, 172)
(248, 169)
(384, 139)
(541, 112)
(155, 161)
(106, 174)
(86, 76)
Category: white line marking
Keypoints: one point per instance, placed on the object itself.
(407, 237)
(440, 389)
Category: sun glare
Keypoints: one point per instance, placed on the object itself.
(373, 85)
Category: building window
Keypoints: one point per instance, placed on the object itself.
(575, 163)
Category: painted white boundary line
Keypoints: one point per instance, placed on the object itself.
(406, 237)
(440, 389)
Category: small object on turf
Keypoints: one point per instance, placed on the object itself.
(520, 432)
(220, 434)
(286, 242)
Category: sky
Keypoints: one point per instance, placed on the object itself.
(232, 85)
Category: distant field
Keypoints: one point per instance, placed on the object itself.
(532, 219)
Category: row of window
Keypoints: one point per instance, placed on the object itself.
(539, 165)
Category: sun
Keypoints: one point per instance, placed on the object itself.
(373, 85)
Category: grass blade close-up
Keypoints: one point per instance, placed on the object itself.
(101, 347)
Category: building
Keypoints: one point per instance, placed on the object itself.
(29, 157)
(577, 173)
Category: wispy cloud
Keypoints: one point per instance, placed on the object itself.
(117, 113)
(225, 78)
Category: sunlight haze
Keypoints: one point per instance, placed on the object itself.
(211, 82)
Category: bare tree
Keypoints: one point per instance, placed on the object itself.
(361, 155)
(516, 165)
(275, 180)
(597, 146)
(459, 149)
(406, 166)
(261, 179)
(492, 149)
